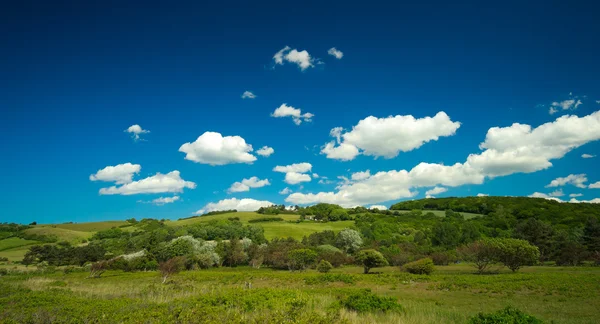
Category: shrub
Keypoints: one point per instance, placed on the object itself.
(514, 253)
(482, 253)
(301, 259)
(266, 220)
(423, 266)
(367, 302)
(171, 267)
(98, 268)
(324, 266)
(371, 259)
(3, 272)
(349, 240)
(442, 258)
(3, 259)
(508, 315)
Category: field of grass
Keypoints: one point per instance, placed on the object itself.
(442, 213)
(60, 233)
(15, 242)
(88, 227)
(451, 295)
(15, 254)
(243, 216)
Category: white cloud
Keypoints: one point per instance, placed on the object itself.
(335, 53)
(265, 151)
(575, 195)
(158, 183)
(506, 150)
(295, 178)
(387, 137)
(246, 184)
(577, 180)
(557, 193)
(248, 95)
(120, 174)
(285, 191)
(435, 191)
(214, 149)
(135, 131)
(296, 167)
(552, 111)
(246, 204)
(482, 195)
(380, 207)
(165, 200)
(570, 104)
(593, 201)
(361, 175)
(315, 176)
(587, 156)
(595, 185)
(288, 111)
(300, 58)
(543, 195)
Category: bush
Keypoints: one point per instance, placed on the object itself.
(324, 266)
(508, 315)
(482, 253)
(171, 267)
(423, 266)
(3, 272)
(442, 258)
(266, 220)
(514, 253)
(3, 259)
(367, 302)
(301, 259)
(371, 259)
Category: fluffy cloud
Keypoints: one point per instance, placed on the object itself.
(296, 167)
(315, 176)
(135, 131)
(575, 195)
(572, 200)
(593, 201)
(248, 95)
(214, 149)
(557, 193)
(245, 204)
(361, 175)
(482, 195)
(335, 53)
(265, 151)
(387, 137)
(285, 191)
(165, 200)
(587, 156)
(543, 195)
(288, 111)
(158, 183)
(435, 191)
(300, 58)
(246, 184)
(595, 185)
(506, 150)
(120, 174)
(380, 207)
(577, 180)
(295, 178)
(570, 104)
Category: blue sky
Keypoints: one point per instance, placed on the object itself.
(76, 76)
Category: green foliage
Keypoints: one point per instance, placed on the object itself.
(515, 254)
(371, 259)
(219, 212)
(422, 266)
(349, 240)
(482, 254)
(324, 266)
(265, 220)
(508, 315)
(338, 214)
(320, 238)
(367, 302)
(300, 259)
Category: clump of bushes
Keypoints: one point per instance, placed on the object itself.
(367, 302)
(266, 220)
(423, 266)
(3, 259)
(371, 259)
(509, 315)
(324, 266)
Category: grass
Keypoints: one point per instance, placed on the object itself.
(15, 254)
(88, 227)
(243, 216)
(451, 295)
(15, 242)
(60, 233)
(442, 213)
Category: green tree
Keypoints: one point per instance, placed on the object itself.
(537, 233)
(301, 259)
(324, 266)
(338, 214)
(371, 259)
(349, 240)
(515, 253)
(591, 234)
(445, 234)
(482, 253)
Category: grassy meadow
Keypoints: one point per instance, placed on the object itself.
(451, 295)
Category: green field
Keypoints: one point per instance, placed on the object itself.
(15, 242)
(451, 295)
(88, 227)
(243, 216)
(61, 234)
